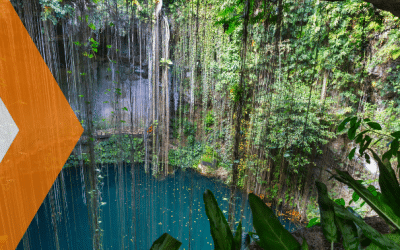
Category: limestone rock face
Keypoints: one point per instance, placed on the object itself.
(316, 240)
(210, 169)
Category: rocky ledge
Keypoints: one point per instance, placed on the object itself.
(210, 169)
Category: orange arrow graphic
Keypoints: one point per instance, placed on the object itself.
(48, 128)
(3, 240)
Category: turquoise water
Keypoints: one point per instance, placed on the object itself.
(159, 206)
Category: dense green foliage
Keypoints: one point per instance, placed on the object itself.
(110, 151)
(308, 65)
(302, 67)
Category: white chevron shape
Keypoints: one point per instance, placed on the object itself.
(8, 130)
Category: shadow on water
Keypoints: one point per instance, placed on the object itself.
(160, 205)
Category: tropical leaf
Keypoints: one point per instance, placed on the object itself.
(327, 213)
(367, 158)
(372, 189)
(359, 231)
(374, 125)
(363, 146)
(220, 231)
(342, 125)
(349, 232)
(367, 230)
(382, 209)
(340, 201)
(395, 237)
(313, 222)
(353, 121)
(166, 242)
(270, 231)
(352, 153)
(387, 155)
(389, 185)
(353, 127)
(237, 239)
(352, 133)
(396, 134)
(394, 146)
(359, 137)
(398, 160)
(355, 196)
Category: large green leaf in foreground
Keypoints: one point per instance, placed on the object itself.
(270, 231)
(389, 185)
(376, 238)
(220, 231)
(327, 212)
(395, 237)
(384, 210)
(349, 232)
(237, 239)
(166, 242)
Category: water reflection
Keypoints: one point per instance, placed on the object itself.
(136, 211)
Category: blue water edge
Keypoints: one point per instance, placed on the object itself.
(160, 206)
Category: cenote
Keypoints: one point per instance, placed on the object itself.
(255, 100)
(160, 205)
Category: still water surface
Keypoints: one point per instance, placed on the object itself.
(159, 206)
